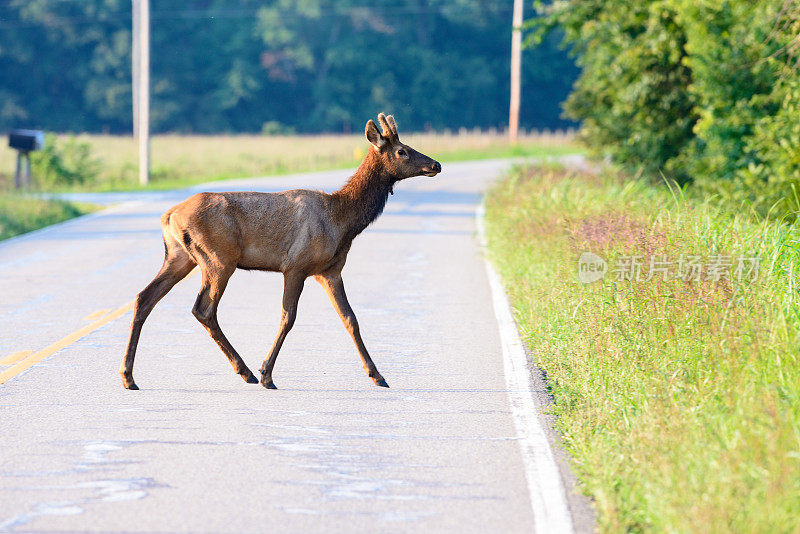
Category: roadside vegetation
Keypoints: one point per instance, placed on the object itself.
(105, 163)
(701, 91)
(677, 398)
(23, 213)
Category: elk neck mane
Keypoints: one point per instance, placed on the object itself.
(362, 198)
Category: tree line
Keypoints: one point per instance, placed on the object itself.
(275, 65)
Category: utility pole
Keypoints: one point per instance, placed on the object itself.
(516, 62)
(136, 54)
(141, 66)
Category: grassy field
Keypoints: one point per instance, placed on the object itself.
(185, 160)
(23, 213)
(180, 161)
(679, 399)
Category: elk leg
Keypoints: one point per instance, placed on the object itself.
(292, 287)
(176, 266)
(334, 286)
(205, 309)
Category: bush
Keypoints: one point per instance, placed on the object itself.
(742, 94)
(64, 163)
(276, 128)
(700, 90)
(632, 93)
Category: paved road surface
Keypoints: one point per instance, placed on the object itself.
(199, 450)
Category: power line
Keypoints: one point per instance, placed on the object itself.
(332, 5)
(216, 13)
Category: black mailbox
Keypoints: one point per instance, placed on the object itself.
(26, 140)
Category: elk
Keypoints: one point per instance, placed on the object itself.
(299, 233)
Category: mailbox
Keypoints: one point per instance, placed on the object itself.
(26, 140)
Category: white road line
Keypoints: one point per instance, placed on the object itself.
(548, 497)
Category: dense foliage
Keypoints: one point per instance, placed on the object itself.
(703, 90)
(276, 65)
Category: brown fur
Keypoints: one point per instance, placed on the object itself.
(299, 233)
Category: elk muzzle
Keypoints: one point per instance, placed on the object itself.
(432, 170)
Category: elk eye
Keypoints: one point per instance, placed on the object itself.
(401, 153)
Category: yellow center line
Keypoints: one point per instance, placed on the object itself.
(27, 359)
(14, 358)
(36, 357)
(96, 315)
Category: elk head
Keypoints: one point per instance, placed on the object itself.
(399, 160)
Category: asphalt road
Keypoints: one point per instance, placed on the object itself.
(199, 450)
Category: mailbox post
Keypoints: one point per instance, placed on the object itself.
(24, 142)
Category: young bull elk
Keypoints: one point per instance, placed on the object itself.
(299, 233)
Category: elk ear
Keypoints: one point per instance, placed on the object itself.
(373, 135)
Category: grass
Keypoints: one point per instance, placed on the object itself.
(679, 400)
(179, 161)
(24, 213)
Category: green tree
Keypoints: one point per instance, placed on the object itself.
(631, 95)
(235, 65)
(65, 65)
(701, 90)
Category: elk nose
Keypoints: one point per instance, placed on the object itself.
(436, 167)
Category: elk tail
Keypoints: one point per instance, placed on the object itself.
(173, 236)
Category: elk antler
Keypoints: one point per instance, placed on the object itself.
(389, 127)
(393, 125)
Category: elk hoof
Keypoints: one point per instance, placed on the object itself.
(130, 384)
(267, 382)
(250, 378)
(127, 380)
(380, 382)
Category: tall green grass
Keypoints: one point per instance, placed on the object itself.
(23, 213)
(679, 400)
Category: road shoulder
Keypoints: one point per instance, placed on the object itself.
(556, 500)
